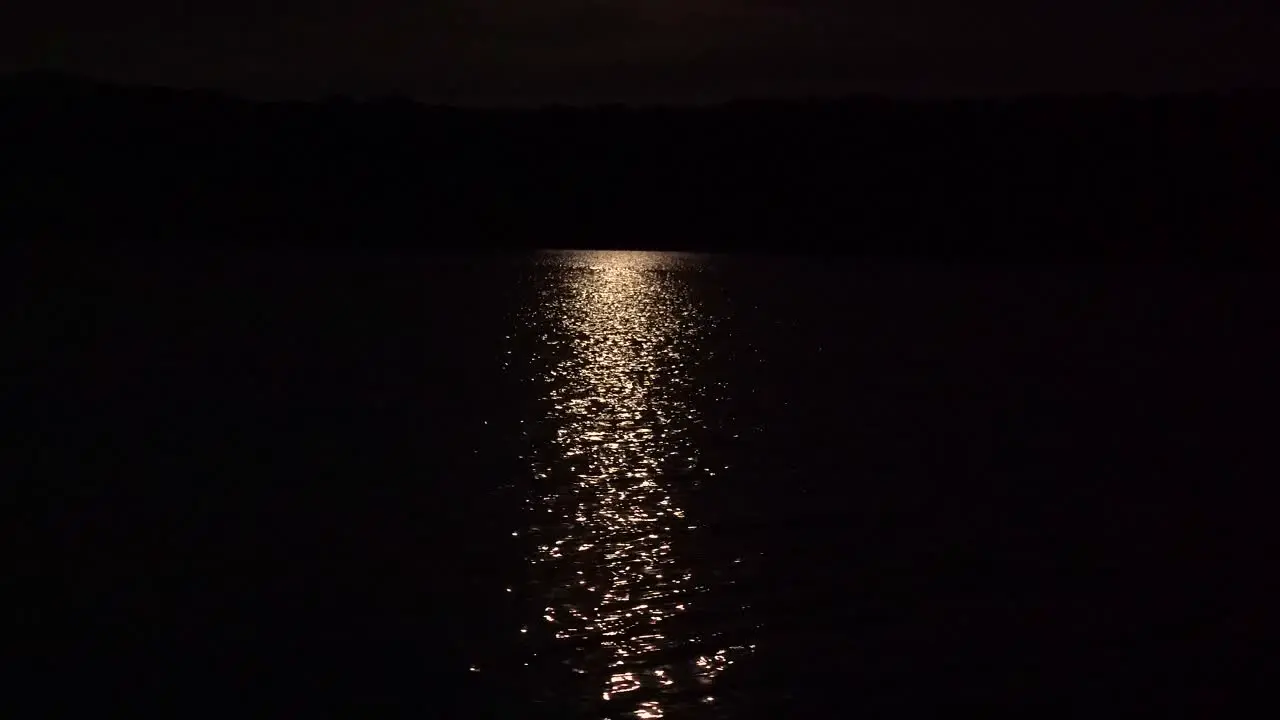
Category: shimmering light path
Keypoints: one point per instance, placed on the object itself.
(620, 333)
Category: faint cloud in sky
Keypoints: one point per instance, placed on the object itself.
(630, 47)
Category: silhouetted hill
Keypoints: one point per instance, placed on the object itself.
(1112, 176)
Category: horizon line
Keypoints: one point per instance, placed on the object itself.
(373, 98)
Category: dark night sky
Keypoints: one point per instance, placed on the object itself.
(593, 50)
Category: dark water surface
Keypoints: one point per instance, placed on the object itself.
(641, 485)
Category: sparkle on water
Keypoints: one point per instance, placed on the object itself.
(619, 334)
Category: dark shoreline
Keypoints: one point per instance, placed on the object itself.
(1160, 178)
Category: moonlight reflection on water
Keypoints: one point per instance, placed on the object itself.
(620, 332)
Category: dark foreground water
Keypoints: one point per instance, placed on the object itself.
(639, 485)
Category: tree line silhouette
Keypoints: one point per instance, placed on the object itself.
(1107, 175)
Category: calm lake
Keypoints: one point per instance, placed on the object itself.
(607, 484)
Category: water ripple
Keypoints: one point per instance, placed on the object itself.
(619, 336)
